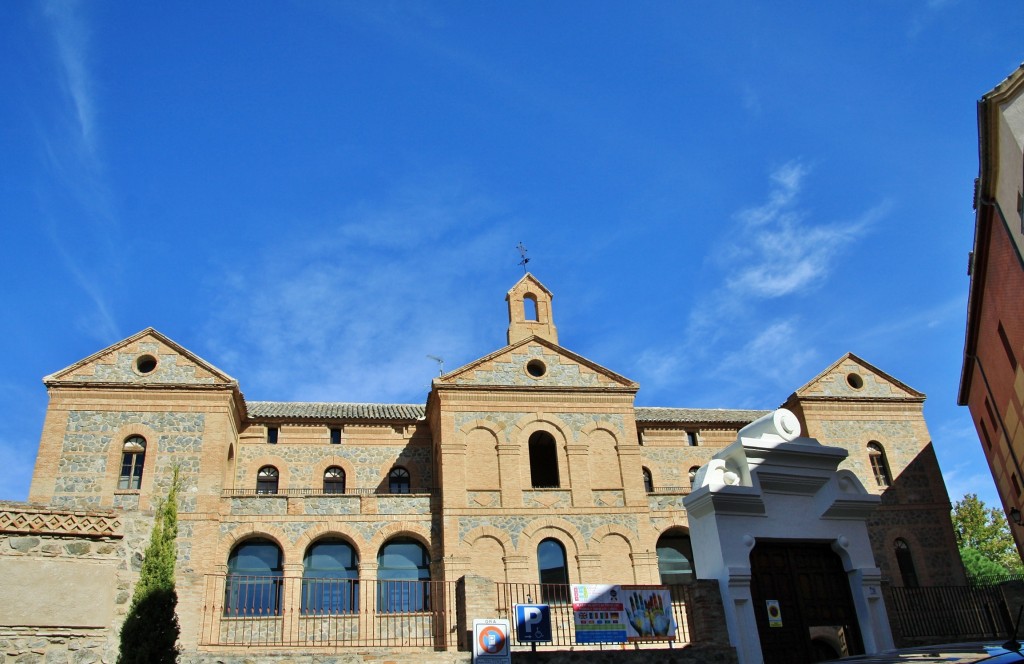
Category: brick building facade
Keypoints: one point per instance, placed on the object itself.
(992, 381)
(530, 464)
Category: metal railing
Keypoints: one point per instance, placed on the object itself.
(287, 493)
(563, 628)
(685, 490)
(276, 611)
(953, 613)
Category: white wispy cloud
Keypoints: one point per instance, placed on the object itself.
(745, 332)
(777, 251)
(353, 315)
(71, 37)
(81, 232)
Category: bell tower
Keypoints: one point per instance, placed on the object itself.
(529, 311)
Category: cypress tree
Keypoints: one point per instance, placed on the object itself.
(150, 631)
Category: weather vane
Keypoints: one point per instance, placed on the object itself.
(522, 254)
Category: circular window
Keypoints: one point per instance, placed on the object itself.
(145, 364)
(855, 381)
(536, 368)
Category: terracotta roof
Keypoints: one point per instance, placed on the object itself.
(304, 410)
(695, 415)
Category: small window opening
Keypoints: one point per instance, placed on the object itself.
(984, 433)
(691, 438)
(648, 481)
(334, 480)
(132, 460)
(267, 480)
(906, 563)
(692, 475)
(335, 436)
(1007, 347)
(536, 368)
(272, 435)
(530, 307)
(543, 461)
(879, 464)
(398, 480)
(855, 381)
(145, 364)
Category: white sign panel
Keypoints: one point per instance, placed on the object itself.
(490, 641)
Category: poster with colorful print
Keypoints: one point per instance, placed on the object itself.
(648, 613)
(598, 614)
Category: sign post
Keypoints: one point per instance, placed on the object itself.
(490, 641)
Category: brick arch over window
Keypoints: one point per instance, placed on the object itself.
(568, 534)
(247, 480)
(334, 460)
(392, 530)
(249, 530)
(328, 531)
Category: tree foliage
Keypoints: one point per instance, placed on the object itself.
(984, 540)
(150, 631)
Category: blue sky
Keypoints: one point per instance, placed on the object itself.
(314, 196)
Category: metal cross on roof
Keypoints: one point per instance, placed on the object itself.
(522, 254)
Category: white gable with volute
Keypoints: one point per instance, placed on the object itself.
(771, 485)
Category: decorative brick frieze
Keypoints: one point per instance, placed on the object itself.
(59, 522)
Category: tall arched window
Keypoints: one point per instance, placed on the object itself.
(906, 563)
(133, 457)
(266, 480)
(403, 573)
(879, 464)
(648, 481)
(530, 307)
(675, 558)
(254, 579)
(334, 480)
(553, 571)
(543, 461)
(398, 480)
(330, 578)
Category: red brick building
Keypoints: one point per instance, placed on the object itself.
(992, 381)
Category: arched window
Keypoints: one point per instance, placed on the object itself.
(133, 457)
(906, 563)
(266, 480)
(675, 558)
(543, 461)
(648, 481)
(334, 480)
(254, 579)
(403, 573)
(398, 480)
(692, 475)
(879, 464)
(553, 571)
(330, 578)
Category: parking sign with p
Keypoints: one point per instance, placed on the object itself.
(533, 623)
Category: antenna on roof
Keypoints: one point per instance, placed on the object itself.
(440, 364)
(522, 254)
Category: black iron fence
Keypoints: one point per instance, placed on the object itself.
(276, 611)
(948, 613)
(563, 628)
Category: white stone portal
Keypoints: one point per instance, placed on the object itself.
(773, 485)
